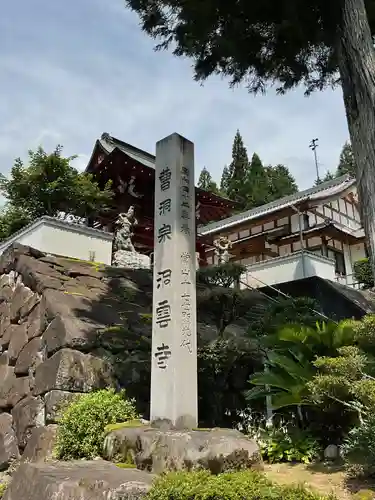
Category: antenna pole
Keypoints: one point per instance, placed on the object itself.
(313, 145)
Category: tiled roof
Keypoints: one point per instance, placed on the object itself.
(324, 190)
(109, 143)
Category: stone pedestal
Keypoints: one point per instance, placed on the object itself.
(162, 450)
(131, 260)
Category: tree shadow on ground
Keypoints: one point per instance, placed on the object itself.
(326, 467)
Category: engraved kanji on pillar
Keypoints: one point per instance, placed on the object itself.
(174, 335)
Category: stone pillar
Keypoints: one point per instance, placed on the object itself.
(174, 394)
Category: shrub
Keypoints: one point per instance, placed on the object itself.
(247, 485)
(358, 449)
(365, 333)
(82, 426)
(224, 275)
(363, 273)
(282, 444)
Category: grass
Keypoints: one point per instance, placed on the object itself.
(323, 478)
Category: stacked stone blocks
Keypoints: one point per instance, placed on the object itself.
(53, 314)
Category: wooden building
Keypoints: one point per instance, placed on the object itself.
(132, 173)
(323, 223)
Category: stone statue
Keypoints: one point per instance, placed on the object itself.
(222, 245)
(125, 223)
(125, 254)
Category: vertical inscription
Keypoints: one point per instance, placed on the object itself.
(174, 363)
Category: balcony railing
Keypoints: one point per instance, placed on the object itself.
(295, 266)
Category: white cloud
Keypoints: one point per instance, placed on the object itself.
(70, 74)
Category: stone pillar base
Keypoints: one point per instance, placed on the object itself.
(161, 450)
(131, 260)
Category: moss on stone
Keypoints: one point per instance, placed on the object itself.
(98, 266)
(75, 293)
(113, 329)
(123, 425)
(126, 466)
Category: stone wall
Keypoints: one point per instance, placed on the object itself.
(67, 327)
(62, 325)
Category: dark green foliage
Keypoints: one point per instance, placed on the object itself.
(289, 358)
(206, 181)
(346, 163)
(284, 43)
(328, 177)
(82, 426)
(224, 182)
(222, 304)
(299, 310)
(257, 186)
(247, 485)
(238, 171)
(224, 275)
(224, 367)
(12, 219)
(46, 186)
(363, 273)
(280, 182)
(250, 183)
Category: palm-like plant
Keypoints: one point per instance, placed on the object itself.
(288, 360)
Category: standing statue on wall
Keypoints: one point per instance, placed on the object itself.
(123, 237)
(222, 246)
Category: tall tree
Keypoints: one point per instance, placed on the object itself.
(328, 177)
(314, 43)
(46, 186)
(256, 187)
(281, 182)
(238, 170)
(224, 181)
(346, 162)
(206, 181)
(266, 184)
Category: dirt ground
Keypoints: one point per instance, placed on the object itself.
(323, 478)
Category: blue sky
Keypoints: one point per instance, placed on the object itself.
(70, 73)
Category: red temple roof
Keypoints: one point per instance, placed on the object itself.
(118, 161)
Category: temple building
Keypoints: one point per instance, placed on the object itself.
(315, 235)
(316, 232)
(132, 173)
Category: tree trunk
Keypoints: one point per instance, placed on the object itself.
(357, 71)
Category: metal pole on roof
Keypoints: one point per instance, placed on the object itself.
(313, 145)
(300, 223)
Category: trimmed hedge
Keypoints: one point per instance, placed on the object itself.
(247, 485)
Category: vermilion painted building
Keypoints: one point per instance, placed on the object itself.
(132, 173)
